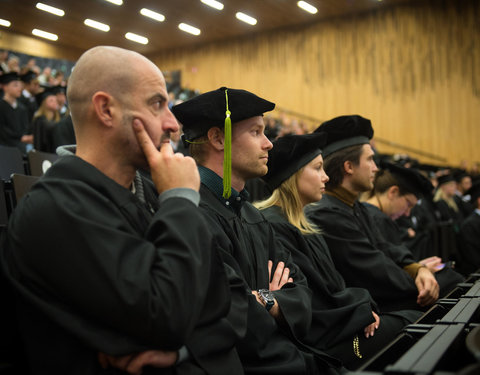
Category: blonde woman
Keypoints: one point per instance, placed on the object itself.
(445, 202)
(44, 120)
(345, 321)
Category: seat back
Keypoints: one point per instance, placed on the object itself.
(39, 162)
(11, 161)
(22, 185)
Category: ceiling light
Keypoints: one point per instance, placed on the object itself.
(213, 3)
(5, 23)
(44, 34)
(50, 9)
(246, 18)
(136, 38)
(116, 2)
(189, 29)
(96, 25)
(307, 7)
(151, 14)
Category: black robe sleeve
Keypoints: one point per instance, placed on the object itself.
(358, 260)
(338, 313)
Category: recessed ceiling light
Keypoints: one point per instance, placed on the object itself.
(136, 38)
(246, 18)
(97, 25)
(307, 7)
(44, 34)
(116, 2)
(5, 23)
(50, 9)
(151, 14)
(213, 3)
(189, 29)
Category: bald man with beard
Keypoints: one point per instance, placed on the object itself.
(103, 271)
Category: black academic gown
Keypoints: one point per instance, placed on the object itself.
(447, 278)
(43, 134)
(248, 242)
(63, 133)
(470, 243)
(339, 314)
(361, 255)
(14, 123)
(95, 269)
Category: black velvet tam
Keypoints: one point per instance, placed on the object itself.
(207, 110)
(9, 77)
(445, 178)
(346, 131)
(411, 179)
(40, 97)
(28, 76)
(289, 154)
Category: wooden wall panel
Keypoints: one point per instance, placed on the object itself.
(414, 70)
(36, 47)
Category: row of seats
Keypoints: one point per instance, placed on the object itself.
(18, 174)
(445, 340)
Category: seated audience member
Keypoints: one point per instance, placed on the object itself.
(61, 99)
(344, 322)
(470, 234)
(461, 198)
(445, 204)
(45, 120)
(359, 252)
(104, 269)
(14, 121)
(396, 191)
(63, 132)
(225, 129)
(31, 87)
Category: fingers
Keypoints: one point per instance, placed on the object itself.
(270, 265)
(144, 139)
(280, 276)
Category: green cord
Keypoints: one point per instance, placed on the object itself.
(227, 153)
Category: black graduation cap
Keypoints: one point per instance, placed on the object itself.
(459, 174)
(9, 77)
(445, 178)
(474, 192)
(345, 131)
(411, 179)
(28, 76)
(41, 96)
(59, 89)
(207, 110)
(289, 154)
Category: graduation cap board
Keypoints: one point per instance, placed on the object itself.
(9, 77)
(411, 179)
(289, 154)
(219, 108)
(345, 131)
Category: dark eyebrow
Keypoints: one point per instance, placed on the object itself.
(156, 97)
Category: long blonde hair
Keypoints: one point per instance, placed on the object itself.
(440, 195)
(286, 196)
(48, 113)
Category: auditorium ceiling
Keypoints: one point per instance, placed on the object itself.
(214, 24)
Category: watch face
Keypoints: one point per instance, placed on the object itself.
(266, 295)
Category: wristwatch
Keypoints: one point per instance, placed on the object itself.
(267, 297)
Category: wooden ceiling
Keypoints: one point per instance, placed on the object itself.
(214, 25)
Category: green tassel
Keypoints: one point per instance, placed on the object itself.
(227, 154)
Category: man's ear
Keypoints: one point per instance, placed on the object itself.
(348, 167)
(102, 104)
(216, 137)
(393, 191)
